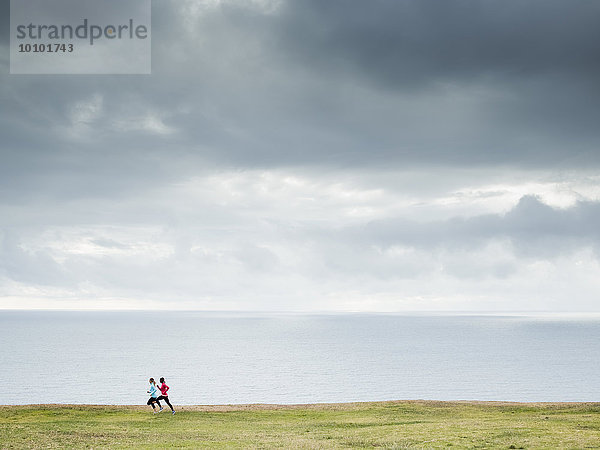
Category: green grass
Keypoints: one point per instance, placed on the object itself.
(404, 424)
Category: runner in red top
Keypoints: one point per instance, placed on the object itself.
(163, 390)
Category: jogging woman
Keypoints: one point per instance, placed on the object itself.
(154, 396)
(163, 390)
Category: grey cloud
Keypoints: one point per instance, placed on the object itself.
(472, 248)
(531, 68)
(403, 44)
(339, 84)
(408, 100)
(110, 243)
(224, 262)
(34, 268)
(533, 228)
(256, 258)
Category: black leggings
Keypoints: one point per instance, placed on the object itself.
(166, 399)
(153, 400)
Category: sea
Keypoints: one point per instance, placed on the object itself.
(240, 358)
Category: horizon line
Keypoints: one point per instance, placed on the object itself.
(313, 312)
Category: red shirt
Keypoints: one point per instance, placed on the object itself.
(163, 389)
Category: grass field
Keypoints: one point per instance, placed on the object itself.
(402, 424)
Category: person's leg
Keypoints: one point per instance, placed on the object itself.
(151, 402)
(166, 399)
(158, 399)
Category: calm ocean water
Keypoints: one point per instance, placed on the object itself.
(213, 358)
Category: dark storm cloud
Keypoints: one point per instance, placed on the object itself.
(342, 84)
(403, 44)
(531, 68)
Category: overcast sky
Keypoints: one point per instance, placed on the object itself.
(314, 155)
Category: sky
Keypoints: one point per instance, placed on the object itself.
(314, 156)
